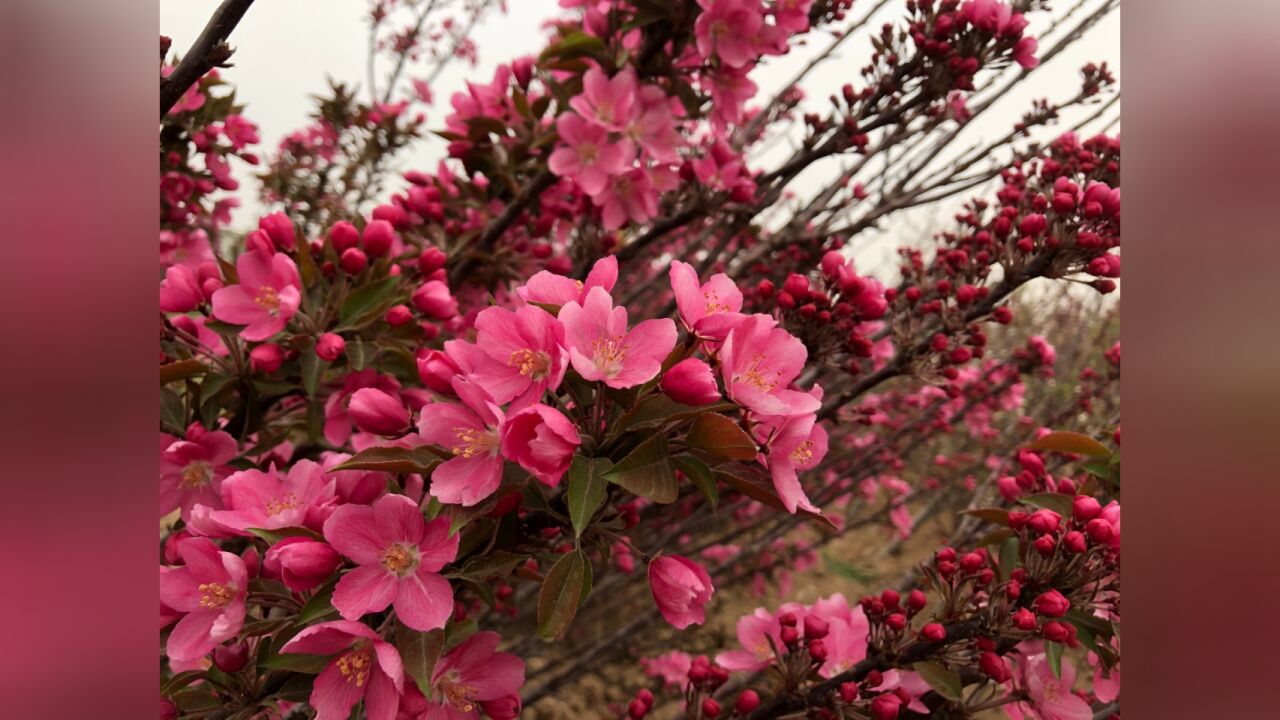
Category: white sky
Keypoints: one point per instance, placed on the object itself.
(286, 48)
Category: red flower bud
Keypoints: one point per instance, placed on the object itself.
(1055, 631)
(933, 632)
(815, 628)
(710, 708)
(1052, 604)
(343, 235)
(896, 621)
(353, 260)
(748, 701)
(886, 707)
(266, 358)
(1085, 508)
(1074, 542)
(377, 238)
(330, 346)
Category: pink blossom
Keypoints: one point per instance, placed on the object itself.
(902, 521)
(192, 470)
(209, 589)
(354, 486)
(672, 667)
(265, 500)
(759, 361)
(725, 29)
(474, 675)
(691, 382)
(265, 298)
(1024, 53)
(470, 431)
(180, 290)
(631, 196)
(609, 102)
(601, 348)
(654, 127)
(399, 556)
(542, 440)
(710, 309)
(524, 354)
(755, 633)
(681, 588)
(548, 288)
(301, 563)
(792, 15)
(587, 156)
(364, 666)
(378, 412)
(434, 300)
(730, 91)
(1050, 698)
(911, 683)
(337, 421)
(794, 443)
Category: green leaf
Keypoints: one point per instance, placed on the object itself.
(312, 368)
(274, 536)
(309, 664)
(1053, 653)
(721, 436)
(646, 471)
(173, 413)
(1056, 502)
(419, 652)
(659, 409)
(181, 370)
(561, 594)
(319, 605)
(574, 45)
(1008, 556)
(943, 681)
(991, 515)
(360, 353)
(368, 302)
(700, 474)
(586, 491)
(1071, 442)
(496, 564)
(393, 460)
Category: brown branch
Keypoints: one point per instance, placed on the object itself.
(210, 50)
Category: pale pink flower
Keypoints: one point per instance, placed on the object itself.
(548, 288)
(601, 348)
(759, 361)
(654, 127)
(631, 196)
(470, 431)
(710, 309)
(672, 667)
(265, 298)
(726, 29)
(793, 443)
(691, 382)
(364, 666)
(524, 354)
(1050, 698)
(192, 470)
(266, 501)
(903, 523)
(681, 588)
(587, 156)
(542, 440)
(399, 556)
(209, 589)
(755, 633)
(609, 102)
(911, 683)
(471, 677)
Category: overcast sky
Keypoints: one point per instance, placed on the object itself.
(286, 48)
